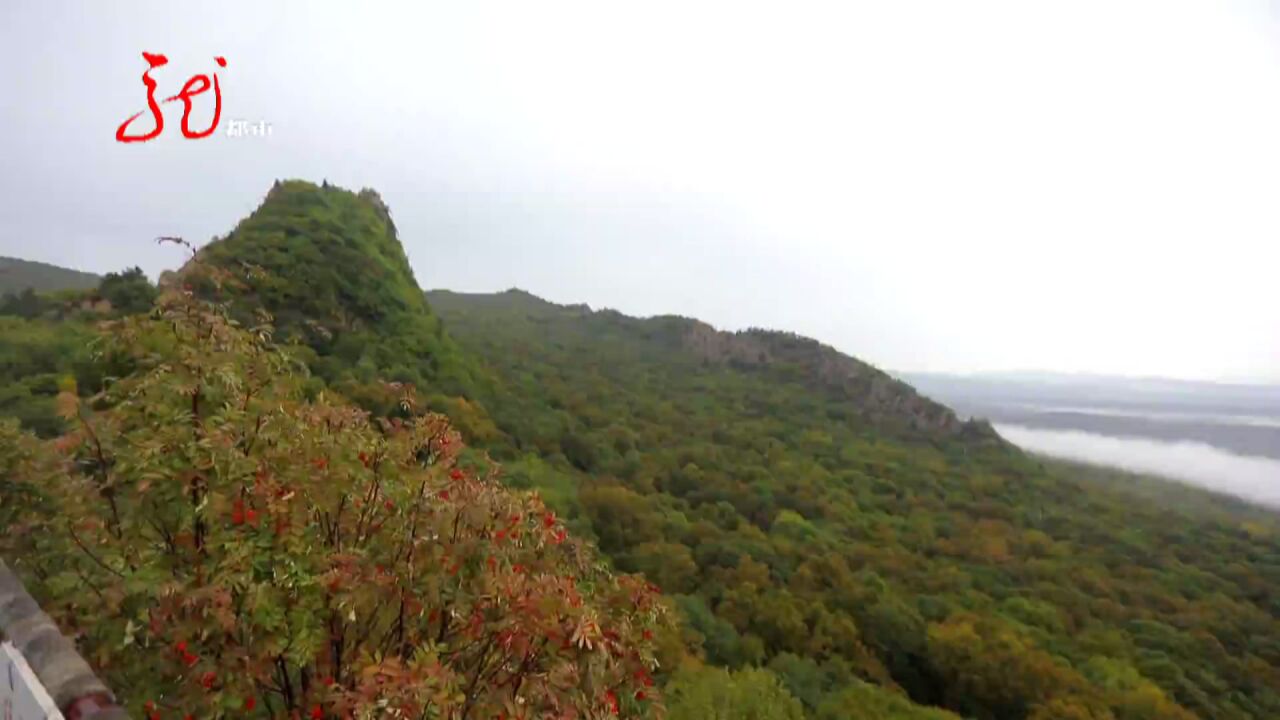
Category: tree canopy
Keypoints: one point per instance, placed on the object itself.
(846, 550)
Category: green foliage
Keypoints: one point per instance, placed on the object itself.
(717, 636)
(705, 693)
(36, 359)
(129, 292)
(328, 267)
(861, 701)
(46, 341)
(18, 499)
(25, 304)
(868, 559)
(225, 547)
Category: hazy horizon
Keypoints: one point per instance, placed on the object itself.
(926, 186)
(1248, 477)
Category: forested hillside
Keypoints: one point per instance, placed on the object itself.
(834, 544)
(805, 532)
(18, 275)
(327, 266)
(47, 341)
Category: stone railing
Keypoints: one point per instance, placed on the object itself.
(61, 677)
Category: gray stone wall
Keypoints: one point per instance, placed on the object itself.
(78, 692)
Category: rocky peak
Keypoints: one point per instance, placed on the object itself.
(881, 398)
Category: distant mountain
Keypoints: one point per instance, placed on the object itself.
(17, 275)
(1107, 390)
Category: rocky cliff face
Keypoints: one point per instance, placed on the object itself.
(880, 398)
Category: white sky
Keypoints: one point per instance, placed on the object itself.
(1077, 186)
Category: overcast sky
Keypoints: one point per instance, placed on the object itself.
(1078, 186)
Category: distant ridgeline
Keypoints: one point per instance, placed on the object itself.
(19, 275)
(872, 395)
(869, 553)
(880, 398)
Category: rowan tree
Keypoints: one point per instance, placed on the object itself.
(222, 546)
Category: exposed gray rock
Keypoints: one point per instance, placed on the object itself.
(65, 675)
(879, 397)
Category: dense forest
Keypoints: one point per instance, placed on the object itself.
(831, 543)
(798, 535)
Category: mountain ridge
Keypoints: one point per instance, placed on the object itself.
(883, 398)
(18, 275)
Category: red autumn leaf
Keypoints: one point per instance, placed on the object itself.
(249, 702)
(316, 712)
(455, 474)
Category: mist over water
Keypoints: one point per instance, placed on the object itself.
(1250, 477)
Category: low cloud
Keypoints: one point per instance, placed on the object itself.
(1253, 478)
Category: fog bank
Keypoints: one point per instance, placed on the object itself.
(1253, 478)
